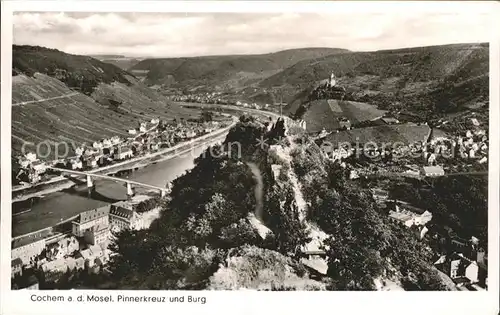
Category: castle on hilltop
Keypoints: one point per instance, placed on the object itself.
(332, 82)
(328, 89)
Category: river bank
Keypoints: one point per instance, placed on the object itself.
(61, 183)
(156, 169)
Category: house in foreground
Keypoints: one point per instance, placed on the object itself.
(432, 171)
(462, 270)
(409, 215)
(17, 267)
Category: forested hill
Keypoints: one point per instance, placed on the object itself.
(224, 71)
(81, 72)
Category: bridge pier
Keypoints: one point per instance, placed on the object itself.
(90, 185)
(130, 190)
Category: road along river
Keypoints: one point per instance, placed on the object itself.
(53, 208)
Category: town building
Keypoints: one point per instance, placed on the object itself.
(97, 235)
(90, 219)
(93, 256)
(28, 248)
(62, 248)
(401, 217)
(121, 217)
(52, 271)
(38, 167)
(75, 164)
(344, 123)
(123, 152)
(115, 140)
(380, 195)
(17, 267)
(97, 145)
(432, 171)
(475, 122)
(459, 268)
(79, 151)
(409, 215)
(132, 131)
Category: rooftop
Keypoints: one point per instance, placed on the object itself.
(17, 262)
(400, 216)
(31, 238)
(403, 133)
(94, 214)
(433, 169)
(408, 207)
(121, 212)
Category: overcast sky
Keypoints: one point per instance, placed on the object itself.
(176, 34)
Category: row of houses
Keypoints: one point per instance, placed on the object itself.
(86, 245)
(468, 273)
(467, 266)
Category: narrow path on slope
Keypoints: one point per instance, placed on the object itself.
(45, 99)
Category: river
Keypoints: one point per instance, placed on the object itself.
(54, 207)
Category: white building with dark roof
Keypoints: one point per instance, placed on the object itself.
(28, 248)
(121, 217)
(16, 267)
(432, 171)
(409, 215)
(89, 220)
(97, 234)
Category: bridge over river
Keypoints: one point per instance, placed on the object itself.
(52, 208)
(129, 183)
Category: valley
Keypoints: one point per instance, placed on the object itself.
(287, 195)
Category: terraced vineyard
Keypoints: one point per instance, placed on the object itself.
(53, 113)
(326, 113)
(389, 134)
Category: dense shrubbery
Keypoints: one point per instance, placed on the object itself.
(190, 246)
(363, 245)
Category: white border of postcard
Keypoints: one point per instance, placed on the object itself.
(250, 302)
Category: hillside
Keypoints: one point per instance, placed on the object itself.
(48, 103)
(327, 113)
(209, 237)
(224, 71)
(389, 134)
(425, 79)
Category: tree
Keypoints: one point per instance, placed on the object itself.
(206, 116)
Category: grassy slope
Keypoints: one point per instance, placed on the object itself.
(320, 115)
(405, 133)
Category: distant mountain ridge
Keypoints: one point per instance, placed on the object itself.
(442, 78)
(219, 71)
(120, 61)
